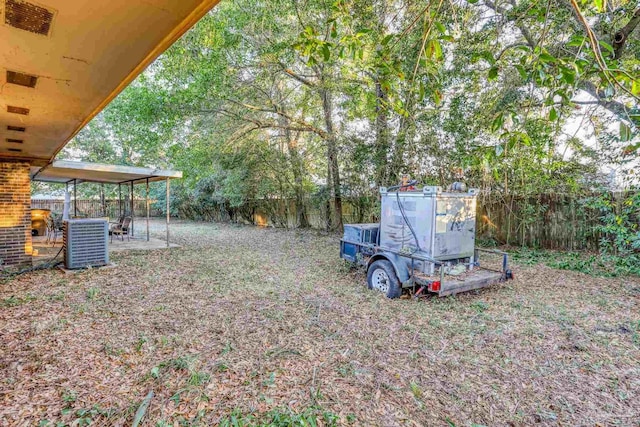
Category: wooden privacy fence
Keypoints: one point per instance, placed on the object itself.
(551, 221)
(94, 208)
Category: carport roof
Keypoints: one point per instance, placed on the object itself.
(63, 61)
(62, 171)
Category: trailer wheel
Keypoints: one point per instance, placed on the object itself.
(381, 277)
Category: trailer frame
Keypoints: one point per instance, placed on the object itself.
(477, 276)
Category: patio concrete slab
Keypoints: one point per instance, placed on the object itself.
(47, 250)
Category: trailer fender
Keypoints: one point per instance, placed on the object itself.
(399, 265)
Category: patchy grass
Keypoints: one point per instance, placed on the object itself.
(268, 327)
(284, 418)
(14, 301)
(584, 262)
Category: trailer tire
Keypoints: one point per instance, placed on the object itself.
(508, 274)
(382, 277)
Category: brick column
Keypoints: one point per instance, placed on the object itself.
(15, 214)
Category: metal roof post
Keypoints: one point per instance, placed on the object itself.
(119, 202)
(133, 209)
(65, 209)
(168, 214)
(147, 209)
(102, 200)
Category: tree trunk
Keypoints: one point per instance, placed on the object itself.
(405, 135)
(298, 173)
(297, 167)
(333, 171)
(381, 150)
(397, 160)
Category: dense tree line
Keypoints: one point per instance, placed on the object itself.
(317, 101)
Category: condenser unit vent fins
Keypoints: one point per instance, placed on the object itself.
(21, 79)
(85, 243)
(17, 110)
(28, 17)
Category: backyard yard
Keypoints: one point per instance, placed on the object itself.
(251, 325)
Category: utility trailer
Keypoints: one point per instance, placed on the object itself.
(425, 242)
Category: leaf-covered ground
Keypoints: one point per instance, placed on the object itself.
(254, 320)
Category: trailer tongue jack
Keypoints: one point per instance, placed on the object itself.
(425, 242)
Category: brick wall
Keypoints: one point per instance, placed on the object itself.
(15, 214)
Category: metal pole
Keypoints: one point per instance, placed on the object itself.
(66, 194)
(168, 193)
(133, 212)
(147, 209)
(119, 202)
(104, 207)
(75, 198)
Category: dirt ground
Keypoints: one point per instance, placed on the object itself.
(248, 320)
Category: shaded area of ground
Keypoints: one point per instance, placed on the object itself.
(250, 319)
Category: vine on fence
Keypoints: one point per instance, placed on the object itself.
(619, 222)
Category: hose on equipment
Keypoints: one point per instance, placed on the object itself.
(397, 188)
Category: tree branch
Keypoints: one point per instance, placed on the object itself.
(510, 46)
(303, 125)
(523, 30)
(257, 125)
(295, 76)
(620, 38)
(616, 107)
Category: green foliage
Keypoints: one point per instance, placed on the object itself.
(14, 301)
(80, 416)
(619, 222)
(182, 363)
(601, 265)
(480, 306)
(198, 378)
(155, 372)
(310, 417)
(92, 293)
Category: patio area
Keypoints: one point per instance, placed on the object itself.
(43, 251)
(136, 235)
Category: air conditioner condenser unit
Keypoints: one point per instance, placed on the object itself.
(86, 243)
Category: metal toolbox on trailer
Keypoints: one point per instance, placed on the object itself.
(357, 233)
(444, 222)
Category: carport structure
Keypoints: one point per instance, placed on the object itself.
(61, 63)
(74, 173)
